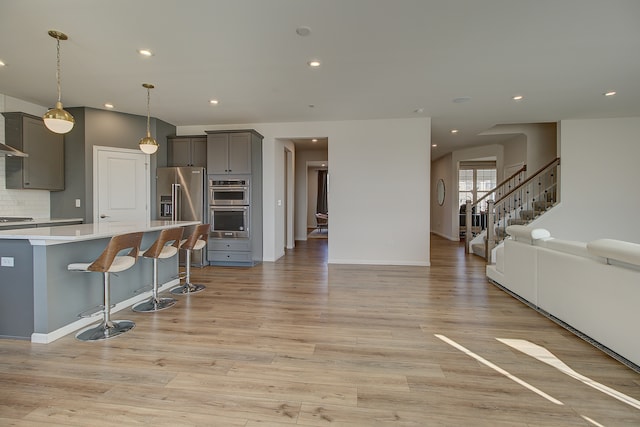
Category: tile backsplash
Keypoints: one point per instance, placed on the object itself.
(32, 203)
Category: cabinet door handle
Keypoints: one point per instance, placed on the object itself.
(104, 216)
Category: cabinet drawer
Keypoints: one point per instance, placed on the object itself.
(229, 256)
(229, 245)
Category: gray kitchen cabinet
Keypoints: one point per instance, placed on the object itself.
(229, 153)
(229, 251)
(44, 168)
(187, 151)
(237, 152)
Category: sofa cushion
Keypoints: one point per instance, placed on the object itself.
(615, 250)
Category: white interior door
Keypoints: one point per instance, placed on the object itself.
(121, 185)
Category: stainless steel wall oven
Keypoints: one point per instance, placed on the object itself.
(229, 200)
(229, 191)
(229, 221)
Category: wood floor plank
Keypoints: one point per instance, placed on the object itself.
(300, 342)
(204, 402)
(319, 376)
(273, 389)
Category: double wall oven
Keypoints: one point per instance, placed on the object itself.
(229, 200)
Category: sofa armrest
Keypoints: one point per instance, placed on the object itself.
(523, 233)
(617, 250)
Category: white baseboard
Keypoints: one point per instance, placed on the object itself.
(81, 323)
(445, 236)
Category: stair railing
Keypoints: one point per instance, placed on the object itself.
(524, 203)
(476, 222)
(520, 204)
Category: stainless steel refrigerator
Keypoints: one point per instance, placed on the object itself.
(181, 196)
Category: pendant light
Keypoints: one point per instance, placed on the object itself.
(147, 144)
(57, 119)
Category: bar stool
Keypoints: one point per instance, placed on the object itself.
(110, 262)
(197, 240)
(160, 249)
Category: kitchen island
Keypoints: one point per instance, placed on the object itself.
(41, 300)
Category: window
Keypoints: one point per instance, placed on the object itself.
(475, 180)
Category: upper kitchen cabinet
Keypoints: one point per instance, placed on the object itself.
(44, 168)
(229, 152)
(187, 151)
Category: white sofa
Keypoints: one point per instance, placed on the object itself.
(592, 287)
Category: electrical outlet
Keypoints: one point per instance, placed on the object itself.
(77, 203)
(6, 261)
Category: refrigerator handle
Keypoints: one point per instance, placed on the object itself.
(175, 196)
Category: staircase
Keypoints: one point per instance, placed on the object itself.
(516, 200)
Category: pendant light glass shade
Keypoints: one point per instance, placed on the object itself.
(148, 144)
(57, 119)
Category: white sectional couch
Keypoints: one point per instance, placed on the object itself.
(592, 287)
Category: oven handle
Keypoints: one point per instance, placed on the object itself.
(228, 208)
(227, 188)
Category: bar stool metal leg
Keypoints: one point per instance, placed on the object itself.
(107, 328)
(155, 303)
(188, 287)
(165, 246)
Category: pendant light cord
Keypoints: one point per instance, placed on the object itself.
(58, 70)
(148, 110)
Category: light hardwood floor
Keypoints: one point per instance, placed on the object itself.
(297, 342)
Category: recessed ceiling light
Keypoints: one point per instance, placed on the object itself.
(610, 93)
(517, 97)
(303, 31)
(454, 131)
(2, 64)
(213, 101)
(145, 52)
(419, 110)
(314, 63)
(434, 145)
(108, 105)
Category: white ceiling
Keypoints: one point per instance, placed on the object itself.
(380, 59)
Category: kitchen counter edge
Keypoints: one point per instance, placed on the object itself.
(80, 232)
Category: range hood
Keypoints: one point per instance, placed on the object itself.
(6, 150)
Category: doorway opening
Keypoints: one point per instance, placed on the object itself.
(317, 200)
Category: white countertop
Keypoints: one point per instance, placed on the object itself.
(79, 232)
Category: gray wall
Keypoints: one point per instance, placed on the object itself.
(109, 129)
(63, 202)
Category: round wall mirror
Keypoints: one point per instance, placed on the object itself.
(440, 191)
